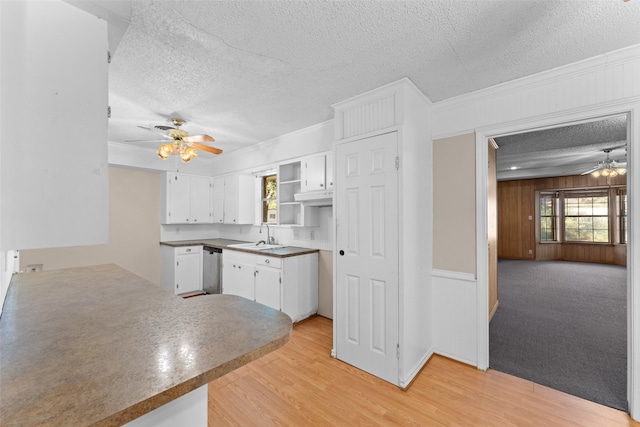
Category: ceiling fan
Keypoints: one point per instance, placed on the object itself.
(178, 142)
(608, 167)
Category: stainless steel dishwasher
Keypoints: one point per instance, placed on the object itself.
(212, 274)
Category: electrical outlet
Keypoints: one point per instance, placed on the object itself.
(296, 233)
(530, 251)
(312, 235)
(34, 268)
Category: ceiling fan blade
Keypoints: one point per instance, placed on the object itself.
(156, 130)
(198, 138)
(589, 171)
(145, 140)
(205, 148)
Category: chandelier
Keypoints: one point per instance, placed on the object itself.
(608, 167)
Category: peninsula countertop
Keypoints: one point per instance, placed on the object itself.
(101, 346)
(282, 252)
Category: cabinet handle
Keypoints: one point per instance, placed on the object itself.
(266, 261)
(321, 185)
(188, 250)
(195, 220)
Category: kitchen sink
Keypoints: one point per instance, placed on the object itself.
(253, 247)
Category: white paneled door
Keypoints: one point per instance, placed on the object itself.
(367, 260)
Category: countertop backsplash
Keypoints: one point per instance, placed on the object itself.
(320, 237)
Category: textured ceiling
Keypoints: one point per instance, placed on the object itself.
(566, 150)
(247, 71)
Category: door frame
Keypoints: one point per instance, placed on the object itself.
(632, 109)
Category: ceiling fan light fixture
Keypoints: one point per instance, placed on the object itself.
(165, 151)
(188, 153)
(608, 167)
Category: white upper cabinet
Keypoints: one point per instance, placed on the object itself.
(313, 173)
(186, 199)
(200, 194)
(217, 200)
(233, 199)
(316, 173)
(53, 137)
(329, 171)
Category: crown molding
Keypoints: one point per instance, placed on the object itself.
(607, 60)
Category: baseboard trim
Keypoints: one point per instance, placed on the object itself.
(493, 310)
(455, 275)
(456, 358)
(405, 384)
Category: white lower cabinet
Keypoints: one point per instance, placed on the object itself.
(267, 283)
(287, 284)
(182, 268)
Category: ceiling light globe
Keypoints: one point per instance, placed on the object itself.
(595, 174)
(605, 172)
(166, 149)
(622, 171)
(162, 154)
(613, 173)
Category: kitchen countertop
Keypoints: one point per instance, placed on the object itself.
(101, 346)
(283, 252)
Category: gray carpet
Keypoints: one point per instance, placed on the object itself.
(563, 325)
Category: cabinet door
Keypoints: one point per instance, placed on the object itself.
(229, 278)
(217, 201)
(246, 197)
(329, 170)
(179, 199)
(231, 200)
(313, 173)
(200, 199)
(245, 280)
(267, 286)
(189, 272)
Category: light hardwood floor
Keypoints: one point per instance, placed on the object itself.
(301, 385)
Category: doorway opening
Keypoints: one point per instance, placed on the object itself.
(560, 318)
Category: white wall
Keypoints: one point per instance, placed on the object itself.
(134, 230)
(53, 138)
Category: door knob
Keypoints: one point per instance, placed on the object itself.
(341, 252)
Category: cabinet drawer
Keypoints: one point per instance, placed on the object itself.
(183, 250)
(238, 257)
(269, 261)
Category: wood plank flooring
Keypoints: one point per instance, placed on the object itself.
(301, 385)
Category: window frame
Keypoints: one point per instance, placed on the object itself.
(271, 175)
(614, 218)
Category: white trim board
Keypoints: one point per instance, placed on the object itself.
(600, 80)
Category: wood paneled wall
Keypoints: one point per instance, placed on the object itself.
(517, 226)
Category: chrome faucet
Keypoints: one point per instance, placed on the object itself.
(270, 240)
